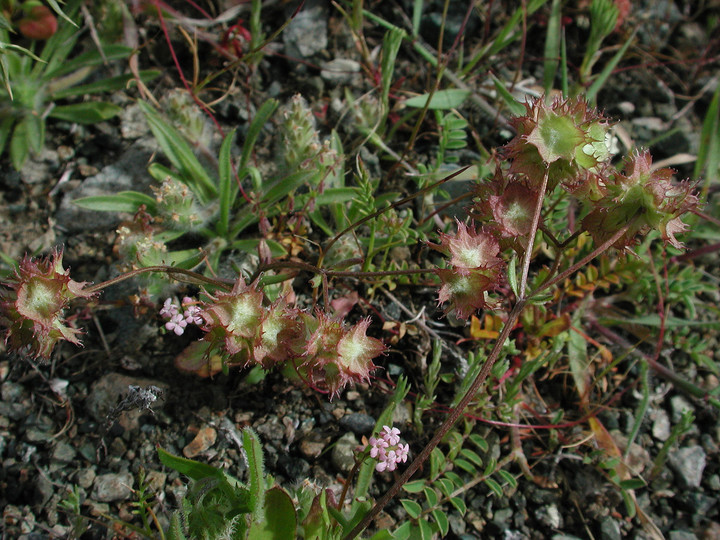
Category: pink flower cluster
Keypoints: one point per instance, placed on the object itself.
(177, 320)
(386, 448)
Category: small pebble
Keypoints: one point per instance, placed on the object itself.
(343, 453)
(689, 463)
(113, 487)
(204, 440)
(661, 425)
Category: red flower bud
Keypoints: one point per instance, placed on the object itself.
(40, 23)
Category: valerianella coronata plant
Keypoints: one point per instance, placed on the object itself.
(475, 269)
(333, 355)
(232, 319)
(646, 198)
(388, 450)
(567, 138)
(33, 304)
(323, 350)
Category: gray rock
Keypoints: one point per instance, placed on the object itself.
(63, 452)
(42, 167)
(661, 425)
(306, 34)
(271, 430)
(44, 489)
(679, 405)
(113, 487)
(549, 515)
(501, 518)
(129, 172)
(340, 70)
(343, 453)
(714, 482)
(682, 535)
(689, 464)
(358, 423)
(11, 391)
(610, 529)
(85, 478)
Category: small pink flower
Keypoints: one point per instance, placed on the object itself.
(169, 309)
(176, 324)
(192, 315)
(386, 448)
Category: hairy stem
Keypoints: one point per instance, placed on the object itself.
(194, 277)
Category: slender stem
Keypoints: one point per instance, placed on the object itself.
(533, 231)
(340, 273)
(582, 262)
(170, 270)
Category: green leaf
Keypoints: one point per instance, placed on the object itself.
(471, 456)
(478, 441)
(455, 478)
(430, 496)
(426, 532)
(123, 201)
(85, 60)
(437, 462)
(266, 110)
(20, 144)
(390, 47)
(633, 483)
(256, 472)
(604, 75)
(445, 486)
(105, 85)
(56, 8)
(516, 108)
(178, 151)
(440, 100)
(415, 486)
(494, 487)
(403, 531)
(508, 477)
(189, 467)
(249, 245)
(442, 521)
(552, 46)
(228, 189)
(186, 258)
(89, 112)
(465, 466)
(285, 186)
(459, 504)
(411, 507)
(279, 520)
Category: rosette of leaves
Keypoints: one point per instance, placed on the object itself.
(37, 85)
